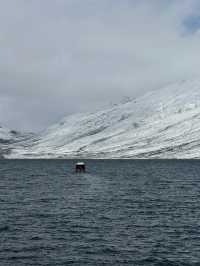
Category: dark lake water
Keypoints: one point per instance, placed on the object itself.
(121, 212)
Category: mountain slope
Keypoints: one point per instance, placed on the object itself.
(163, 123)
(11, 139)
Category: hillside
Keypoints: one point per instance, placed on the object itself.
(163, 123)
(11, 139)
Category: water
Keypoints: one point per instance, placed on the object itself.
(127, 212)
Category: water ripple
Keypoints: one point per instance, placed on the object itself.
(130, 212)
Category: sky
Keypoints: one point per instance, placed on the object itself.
(58, 57)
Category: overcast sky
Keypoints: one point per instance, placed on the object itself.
(63, 56)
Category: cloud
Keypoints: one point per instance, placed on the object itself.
(64, 56)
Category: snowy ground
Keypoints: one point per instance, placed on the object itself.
(163, 123)
(10, 139)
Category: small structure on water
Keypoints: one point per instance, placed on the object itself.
(80, 167)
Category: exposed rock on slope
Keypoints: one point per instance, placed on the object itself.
(10, 139)
(163, 123)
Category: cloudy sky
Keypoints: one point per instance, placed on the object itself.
(63, 56)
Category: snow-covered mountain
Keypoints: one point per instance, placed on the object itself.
(11, 139)
(162, 123)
